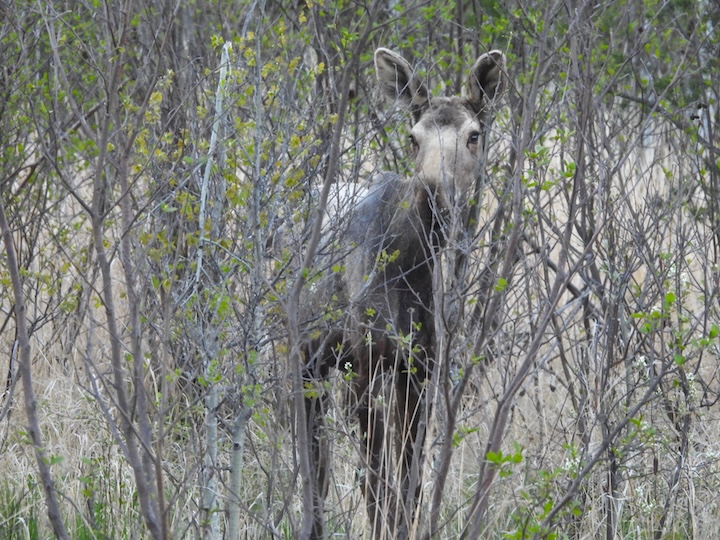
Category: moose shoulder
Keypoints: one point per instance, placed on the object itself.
(384, 329)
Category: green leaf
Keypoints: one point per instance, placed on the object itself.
(713, 331)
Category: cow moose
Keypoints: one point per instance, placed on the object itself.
(373, 311)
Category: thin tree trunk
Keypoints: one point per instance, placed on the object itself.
(210, 339)
(25, 369)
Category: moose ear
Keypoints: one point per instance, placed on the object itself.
(398, 81)
(486, 80)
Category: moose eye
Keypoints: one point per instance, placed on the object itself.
(474, 138)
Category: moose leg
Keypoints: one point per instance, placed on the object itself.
(412, 418)
(368, 384)
(316, 401)
(319, 455)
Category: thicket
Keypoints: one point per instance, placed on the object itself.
(160, 172)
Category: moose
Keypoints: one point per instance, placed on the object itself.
(373, 312)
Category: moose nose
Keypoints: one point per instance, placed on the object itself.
(437, 160)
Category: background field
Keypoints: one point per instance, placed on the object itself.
(160, 168)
